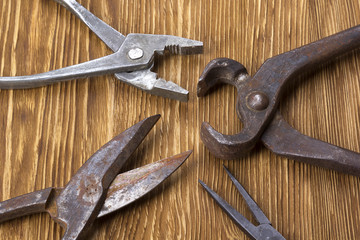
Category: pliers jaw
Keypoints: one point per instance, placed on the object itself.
(148, 81)
(145, 46)
(139, 49)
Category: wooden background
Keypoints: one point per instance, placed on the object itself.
(46, 134)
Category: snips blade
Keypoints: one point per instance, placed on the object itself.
(130, 186)
(79, 203)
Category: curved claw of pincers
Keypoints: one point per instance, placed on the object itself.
(224, 70)
(221, 70)
(225, 146)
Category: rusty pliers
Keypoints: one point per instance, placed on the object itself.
(96, 189)
(258, 100)
(131, 62)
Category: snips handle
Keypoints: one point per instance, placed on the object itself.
(26, 204)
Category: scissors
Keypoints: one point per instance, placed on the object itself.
(97, 188)
(261, 232)
(258, 100)
(131, 62)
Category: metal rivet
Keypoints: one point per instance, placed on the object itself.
(257, 101)
(135, 53)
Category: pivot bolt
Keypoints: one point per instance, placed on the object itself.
(135, 53)
(257, 101)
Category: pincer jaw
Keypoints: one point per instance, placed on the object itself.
(221, 70)
(222, 146)
(224, 70)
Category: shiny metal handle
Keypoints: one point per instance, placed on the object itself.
(112, 38)
(106, 65)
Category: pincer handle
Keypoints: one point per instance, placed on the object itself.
(288, 65)
(284, 140)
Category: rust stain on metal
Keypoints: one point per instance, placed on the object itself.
(89, 190)
(131, 185)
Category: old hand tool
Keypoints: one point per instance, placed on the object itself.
(131, 63)
(263, 231)
(258, 99)
(96, 189)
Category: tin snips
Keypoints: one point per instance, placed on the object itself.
(97, 188)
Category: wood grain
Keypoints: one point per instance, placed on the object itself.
(47, 133)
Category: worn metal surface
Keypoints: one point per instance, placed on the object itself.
(79, 203)
(130, 186)
(286, 141)
(76, 206)
(258, 99)
(125, 189)
(261, 232)
(134, 71)
(96, 189)
(26, 204)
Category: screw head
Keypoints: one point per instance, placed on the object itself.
(257, 101)
(135, 53)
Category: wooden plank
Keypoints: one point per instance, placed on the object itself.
(47, 133)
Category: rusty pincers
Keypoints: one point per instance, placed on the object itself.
(258, 100)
